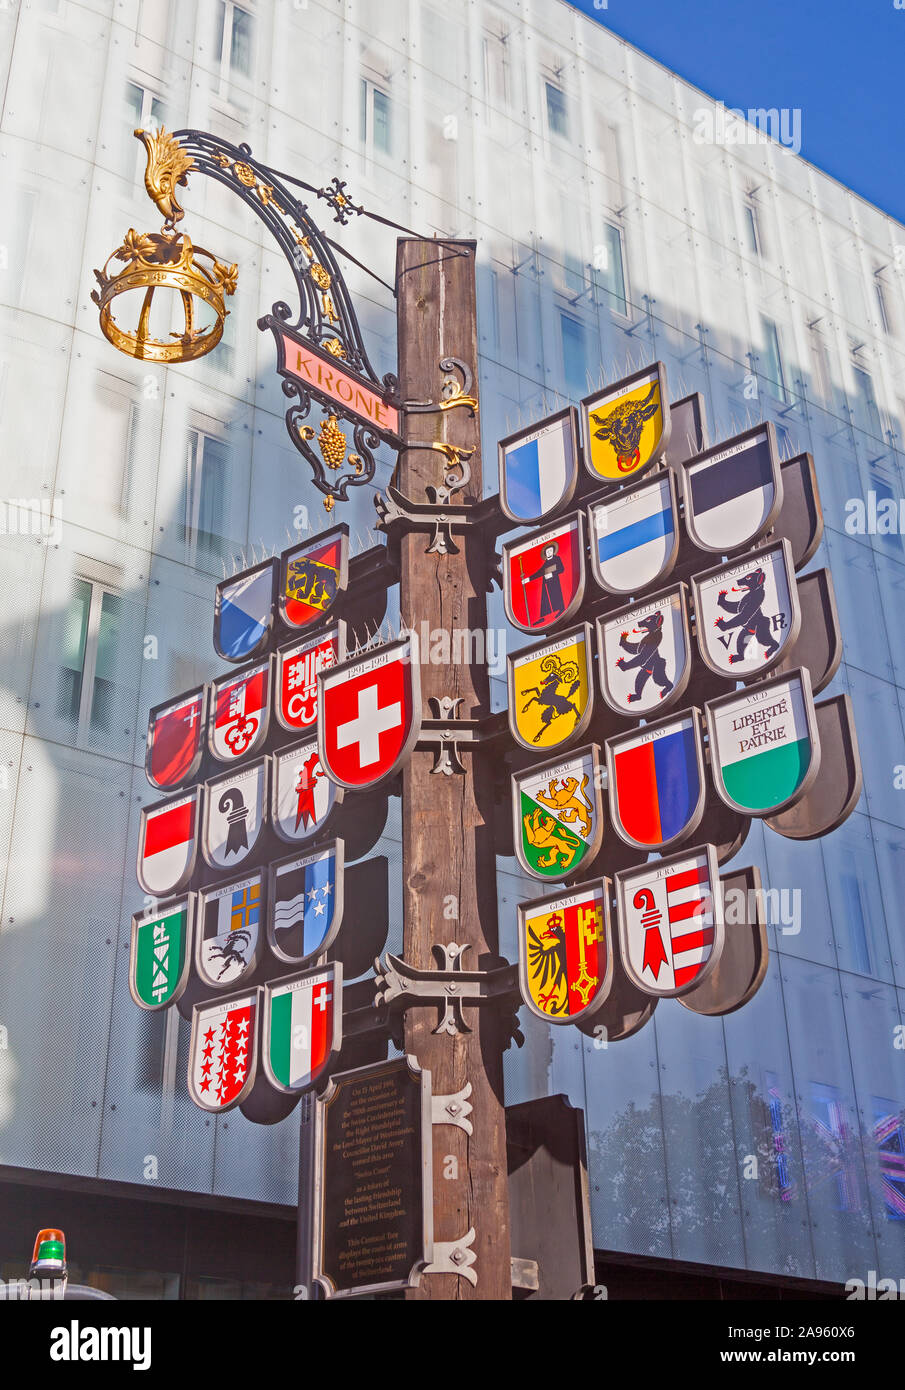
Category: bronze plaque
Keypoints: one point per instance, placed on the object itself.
(373, 1207)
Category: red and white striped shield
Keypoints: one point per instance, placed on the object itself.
(671, 921)
(369, 715)
(302, 1027)
(223, 1051)
(168, 844)
(175, 740)
(240, 712)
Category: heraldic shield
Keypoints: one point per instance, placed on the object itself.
(748, 613)
(733, 492)
(240, 712)
(298, 664)
(551, 694)
(557, 815)
(655, 777)
(160, 957)
(235, 812)
(302, 1027)
(369, 715)
(764, 744)
(313, 576)
(305, 903)
(645, 653)
(302, 795)
(539, 468)
(223, 1051)
(565, 953)
(168, 844)
(176, 740)
(671, 921)
(626, 426)
(243, 612)
(230, 931)
(634, 536)
(543, 575)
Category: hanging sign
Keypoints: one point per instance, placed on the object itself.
(322, 375)
(626, 426)
(645, 653)
(551, 695)
(747, 613)
(557, 815)
(565, 953)
(764, 745)
(671, 921)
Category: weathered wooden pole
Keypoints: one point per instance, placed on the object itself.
(449, 870)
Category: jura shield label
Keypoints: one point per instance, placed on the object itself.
(671, 921)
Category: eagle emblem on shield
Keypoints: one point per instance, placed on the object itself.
(565, 953)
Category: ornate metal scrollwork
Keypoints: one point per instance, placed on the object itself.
(333, 450)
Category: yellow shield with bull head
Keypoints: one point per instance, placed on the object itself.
(626, 426)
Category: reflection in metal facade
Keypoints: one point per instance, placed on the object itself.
(608, 238)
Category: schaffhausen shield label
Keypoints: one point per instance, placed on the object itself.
(565, 953)
(543, 575)
(671, 921)
(747, 613)
(764, 745)
(240, 713)
(302, 1027)
(655, 777)
(243, 612)
(298, 665)
(313, 575)
(369, 715)
(168, 844)
(550, 690)
(230, 931)
(176, 740)
(626, 426)
(305, 903)
(234, 815)
(634, 536)
(645, 655)
(223, 1051)
(161, 953)
(557, 819)
(302, 795)
(539, 467)
(733, 492)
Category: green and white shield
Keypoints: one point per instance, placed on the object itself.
(557, 815)
(764, 744)
(161, 953)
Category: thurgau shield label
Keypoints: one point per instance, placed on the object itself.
(655, 777)
(550, 690)
(671, 921)
(160, 956)
(565, 953)
(302, 1027)
(645, 653)
(626, 425)
(764, 744)
(747, 613)
(557, 815)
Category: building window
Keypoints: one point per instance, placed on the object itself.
(773, 368)
(204, 532)
(867, 410)
(821, 364)
(573, 354)
(881, 292)
(234, 39)
(92, 625)
(557, 111)
(752, 229)
(497, 70)
(609, 269)
(375, 118)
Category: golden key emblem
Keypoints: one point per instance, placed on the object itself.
(589, 931)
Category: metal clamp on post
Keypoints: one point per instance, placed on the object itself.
(400, 986)
(446, 733)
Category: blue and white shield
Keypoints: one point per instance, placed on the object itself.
(305, 903)
(539, 467)
(243, 612)
(634, 536)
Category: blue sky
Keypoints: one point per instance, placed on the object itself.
(841, 62)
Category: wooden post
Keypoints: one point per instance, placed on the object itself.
(449, 869)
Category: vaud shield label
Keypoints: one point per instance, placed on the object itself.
(543, 575)
(369, 715)
(230, 931)
(634, 536)
(298, 664)
(645, 656)
(733, 492)
(240, 712)
(747, 613)
(313, 576)
(243, 612)
(302, 795)
(626, 426)
(161, 953)
(223, 1051)
(655, 777)
(305, 903)
(557, 819)
(550, 690)
(539, 467)
(176, 740)
(235, 808)
(671, 921)
(764, 744)
(302, 1027)
(565, 953)
(168, 844)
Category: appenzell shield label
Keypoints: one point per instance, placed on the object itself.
(243, 612)
(302, 1027)
(176, 740)
(565, 953)
(313, 575)
(626, 426)
(230, 931)
(551, 695)
(539, 467)
(240, 713)
(302, 795)
(634, 536)
(645, 655)
(764, 744)
(298, 665)
(747, 612)
(543, 575)
(168, 844)
(671, 921)
(369, 715)
(235, 807)
(733, 492)
(223, 1051)
(557, 815)
(305, 903)
(656, 782)
(161, 953)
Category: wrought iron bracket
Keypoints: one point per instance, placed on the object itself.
(455, 1257)
(399, 515)
(400, 986)
(446, 734)
(452, 393)
(453, 1109)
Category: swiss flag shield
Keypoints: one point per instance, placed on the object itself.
(175, 741)
(369, 715)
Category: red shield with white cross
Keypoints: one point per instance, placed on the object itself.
(369, 715)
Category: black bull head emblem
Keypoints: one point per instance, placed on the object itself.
(623, 426)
